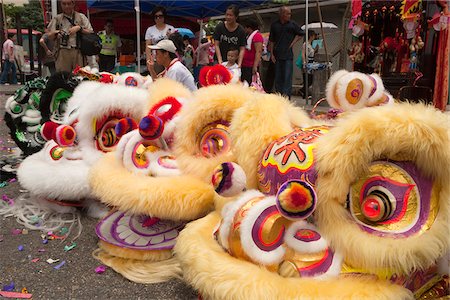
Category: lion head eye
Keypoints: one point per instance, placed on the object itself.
(393, 199)
(215, 140)
(377, 206)
(106, 138)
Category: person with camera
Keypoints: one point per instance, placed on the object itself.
(65, 28)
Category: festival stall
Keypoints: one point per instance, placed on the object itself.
(406, 43)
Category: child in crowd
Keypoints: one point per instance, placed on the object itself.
(231, 63)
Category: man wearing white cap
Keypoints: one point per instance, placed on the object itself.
(173, 68)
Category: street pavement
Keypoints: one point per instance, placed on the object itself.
(76, 279)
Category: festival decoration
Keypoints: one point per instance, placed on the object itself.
(372, 185)
(57, 176)
(169, 186)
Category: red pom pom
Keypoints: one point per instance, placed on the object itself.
(218, 74)
(202, 75)
(65, 135)
(48, 130)
(124, 126)
(165, 116)
(151, 127)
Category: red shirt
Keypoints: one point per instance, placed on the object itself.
(249, 55)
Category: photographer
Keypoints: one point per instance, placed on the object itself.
(64, 28)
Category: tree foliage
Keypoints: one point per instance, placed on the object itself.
(210, 26)
(30, 15)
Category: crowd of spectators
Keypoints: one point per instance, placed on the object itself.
(239, 47)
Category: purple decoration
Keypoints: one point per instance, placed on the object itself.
(20, 248)
(226, 182)
(355, 93)
(290, 157)
(128, 231)
(323, 267)
(315, 236)
(259, 223)
(374, 89)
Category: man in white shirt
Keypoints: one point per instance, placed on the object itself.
(173, 68)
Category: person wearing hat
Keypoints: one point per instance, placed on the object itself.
(173, 68)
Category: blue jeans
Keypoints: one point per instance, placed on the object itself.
(6, 66)
(283, 77)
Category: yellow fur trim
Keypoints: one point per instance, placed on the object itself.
(174, 198)
(151, 267)
(166, 87)
(257, 124)
(416, 132)
(217, 275)
(211, 104)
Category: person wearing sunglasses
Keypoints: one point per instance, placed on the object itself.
(159, 31)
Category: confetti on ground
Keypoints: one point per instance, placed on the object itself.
(8, 200)
(1, 238)
(24, 231)
(45, 241)
(100, 269)
(41, 250)
(16, 231)
(50, 260)
(59, 265)
(20, 248)
(12, 180)
(3, 184)
(56, 237)
(64, 230)
(9, 287)
(35, 260)
(68, 248)
(34, 220)
(15, 295)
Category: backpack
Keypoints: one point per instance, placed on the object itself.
(89, 43)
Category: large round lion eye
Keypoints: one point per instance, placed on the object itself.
(106, 138)
(394, 199)
(214, 140)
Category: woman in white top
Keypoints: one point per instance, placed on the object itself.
(159, 31)
(308, 53)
